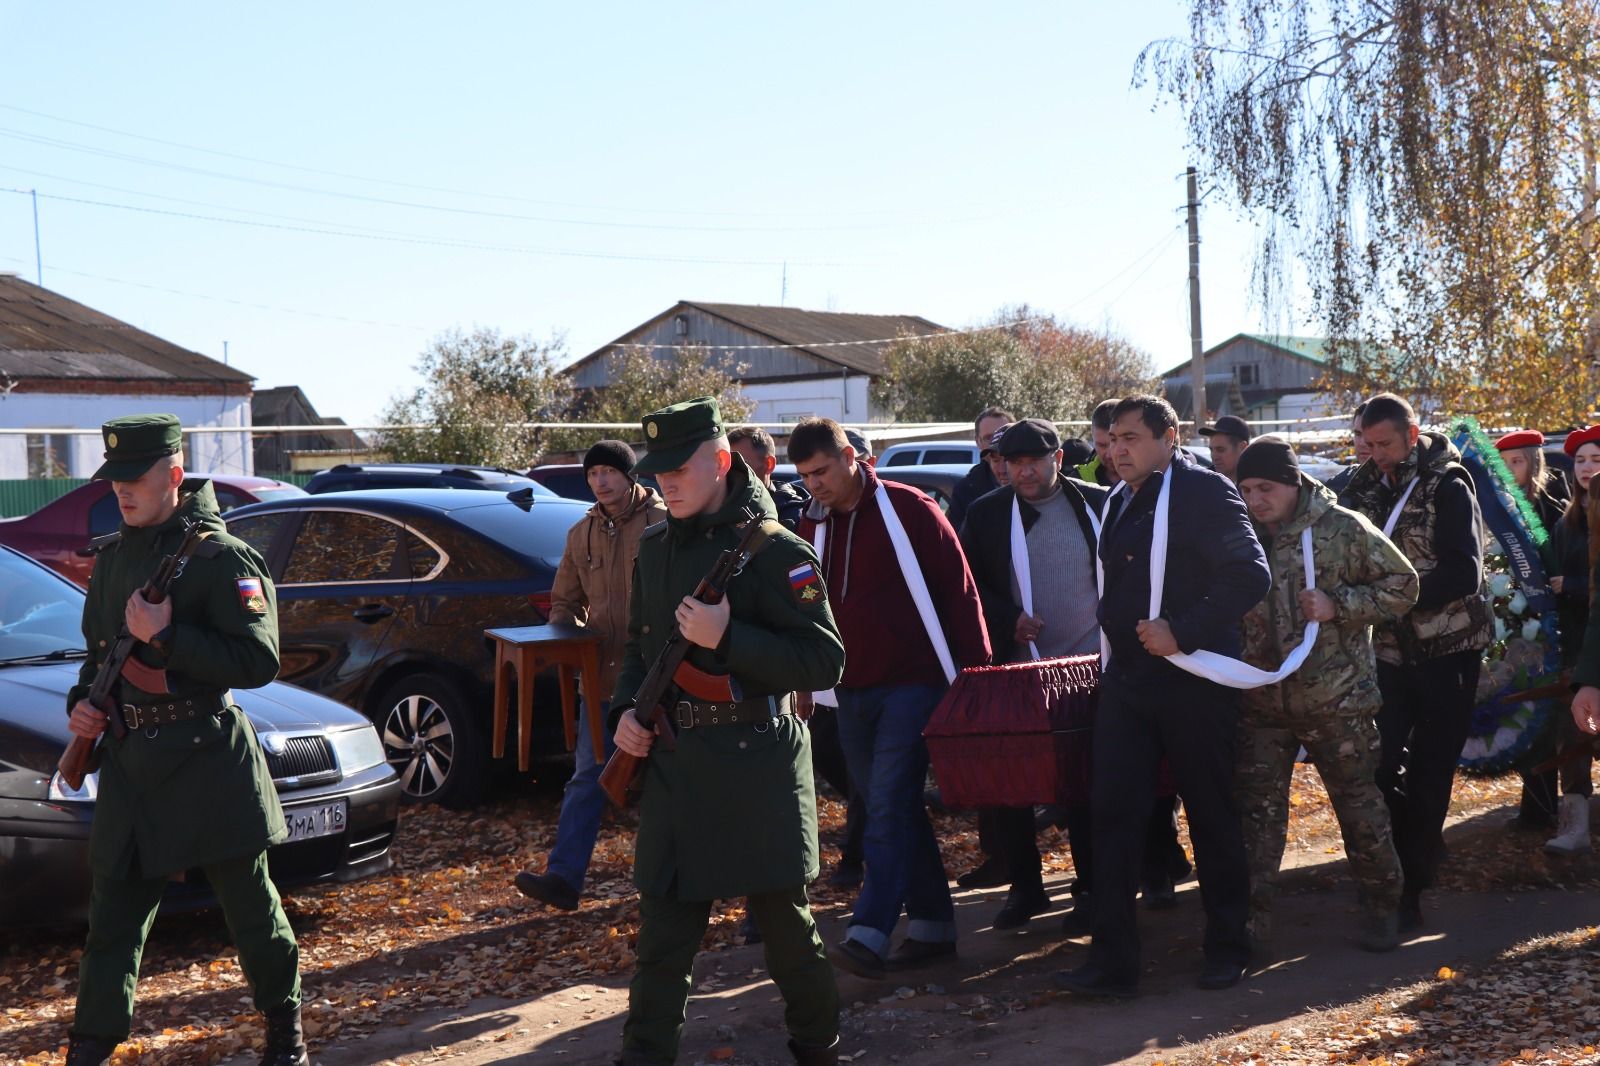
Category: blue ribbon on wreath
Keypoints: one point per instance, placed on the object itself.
(1503, 730)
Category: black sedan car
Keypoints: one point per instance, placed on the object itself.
(383, 597)
(349, 477)
(339, 795)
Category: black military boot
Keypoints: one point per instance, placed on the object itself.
(808, 1055)
(88, 1050)
(286, 1042)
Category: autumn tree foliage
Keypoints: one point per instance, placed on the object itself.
(1429, 168)
(1035, 365)
(481, 392)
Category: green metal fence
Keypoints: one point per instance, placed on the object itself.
(26, 497)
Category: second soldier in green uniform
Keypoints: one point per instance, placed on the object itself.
(188, 785)
(732, 811)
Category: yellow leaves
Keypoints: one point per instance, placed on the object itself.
(1445, 974)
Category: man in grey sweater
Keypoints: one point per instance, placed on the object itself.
(1054, 616)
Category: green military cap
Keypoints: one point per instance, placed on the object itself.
(135, 442)
(672, 434)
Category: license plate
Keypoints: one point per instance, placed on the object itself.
(321, 820)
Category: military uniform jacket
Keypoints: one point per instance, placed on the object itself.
(733, 811)
(1370, 582)
(1440, 530)
(197, 791)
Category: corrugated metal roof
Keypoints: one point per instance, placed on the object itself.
(43, 334)
(793, 326)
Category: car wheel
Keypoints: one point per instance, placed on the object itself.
(430, 738)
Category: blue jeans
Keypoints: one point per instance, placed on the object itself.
(881, 731)
(582, 804)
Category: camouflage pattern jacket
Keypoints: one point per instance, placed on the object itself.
(1445, 548)
(1370, 583)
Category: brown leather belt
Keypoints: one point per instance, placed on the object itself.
(155, 715)
(691, 714)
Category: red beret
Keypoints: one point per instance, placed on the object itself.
(1579, 438)
(1522, 438)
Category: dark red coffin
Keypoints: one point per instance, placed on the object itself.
(1016, 735)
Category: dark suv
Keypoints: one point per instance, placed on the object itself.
(347, 477)
(383, 597)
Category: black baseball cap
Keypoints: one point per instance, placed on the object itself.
(1229, 425)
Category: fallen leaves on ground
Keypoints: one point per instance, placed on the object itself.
(1537, 1003)
(446, 926)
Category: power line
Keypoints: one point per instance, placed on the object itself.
(1159, 248)
(223, 299)
(73, 146)
(411, 185)
(327, 231)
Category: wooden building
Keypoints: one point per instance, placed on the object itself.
(284, 453)
(798, 362)
(1270, 377)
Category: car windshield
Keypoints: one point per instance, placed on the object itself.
(40, 614)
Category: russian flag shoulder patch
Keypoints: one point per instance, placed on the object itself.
(806, 584)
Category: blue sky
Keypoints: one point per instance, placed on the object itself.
(574, 169)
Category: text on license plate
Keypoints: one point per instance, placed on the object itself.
(321, 820)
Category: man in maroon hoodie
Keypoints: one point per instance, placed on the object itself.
(899, 660)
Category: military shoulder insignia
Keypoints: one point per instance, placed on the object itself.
(251, 596)
(806, 584)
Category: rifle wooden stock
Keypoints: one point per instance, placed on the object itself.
(623, 775)
(82, 756)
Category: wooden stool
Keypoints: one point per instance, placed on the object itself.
(519, 654)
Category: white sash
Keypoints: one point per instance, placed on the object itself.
(1020, 564)
(825, 698)
(1394, 515)
(916, 584)
(1209, 664)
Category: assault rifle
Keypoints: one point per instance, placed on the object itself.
(83, 755)
(623, 776)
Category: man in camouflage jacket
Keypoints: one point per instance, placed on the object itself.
(1415, 489)
(1329, 704)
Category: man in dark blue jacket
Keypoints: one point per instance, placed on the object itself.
(1215, 572)
(980, 480)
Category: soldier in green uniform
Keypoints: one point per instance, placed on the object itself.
(732, 811)
(188, 785)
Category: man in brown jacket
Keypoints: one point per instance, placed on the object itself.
(591, 590)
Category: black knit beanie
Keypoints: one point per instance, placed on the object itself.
(1270, 459)
(610, 453)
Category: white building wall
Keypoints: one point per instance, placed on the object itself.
(212, 453)
(843, 399)
(1300, 405)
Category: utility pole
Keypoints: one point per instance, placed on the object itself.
(1197, 368)
(783, 293)
(38, 260)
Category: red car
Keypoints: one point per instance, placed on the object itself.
(57, 533)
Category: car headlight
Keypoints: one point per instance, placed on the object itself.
(60, 792)
(357, 749)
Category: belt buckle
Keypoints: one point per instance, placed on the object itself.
(684, 712)
(130, 716)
